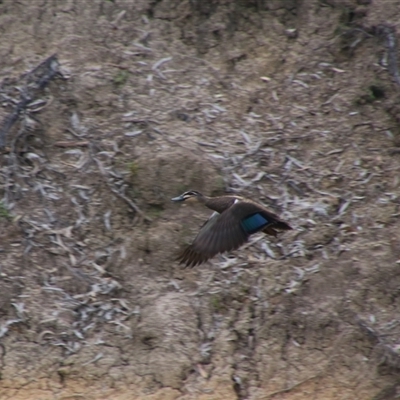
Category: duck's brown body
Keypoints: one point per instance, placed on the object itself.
(234, 220)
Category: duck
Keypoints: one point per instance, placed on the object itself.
(234, 220)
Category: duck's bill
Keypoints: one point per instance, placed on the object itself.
(179, 198)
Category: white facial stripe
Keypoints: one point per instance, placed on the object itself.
(236, 201)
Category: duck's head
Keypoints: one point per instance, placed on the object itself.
(191, 194)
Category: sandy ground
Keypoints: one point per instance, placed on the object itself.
(294, 104)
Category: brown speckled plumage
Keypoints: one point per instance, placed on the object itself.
(234, 220)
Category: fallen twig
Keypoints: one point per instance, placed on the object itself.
(116, 192)
(71, 144)
(290, 388)
(36, 80)
(389, 33)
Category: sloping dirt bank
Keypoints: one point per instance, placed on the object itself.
(294, 103)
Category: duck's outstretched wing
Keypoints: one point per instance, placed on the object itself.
(219, 234)
(229, 230)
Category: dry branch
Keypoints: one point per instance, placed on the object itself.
(33, 82)
(104, 174)
(389, 34)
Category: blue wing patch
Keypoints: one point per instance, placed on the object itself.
(254, 223)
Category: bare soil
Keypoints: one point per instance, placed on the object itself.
(292, 103)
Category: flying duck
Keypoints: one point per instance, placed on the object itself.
(234, 220)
